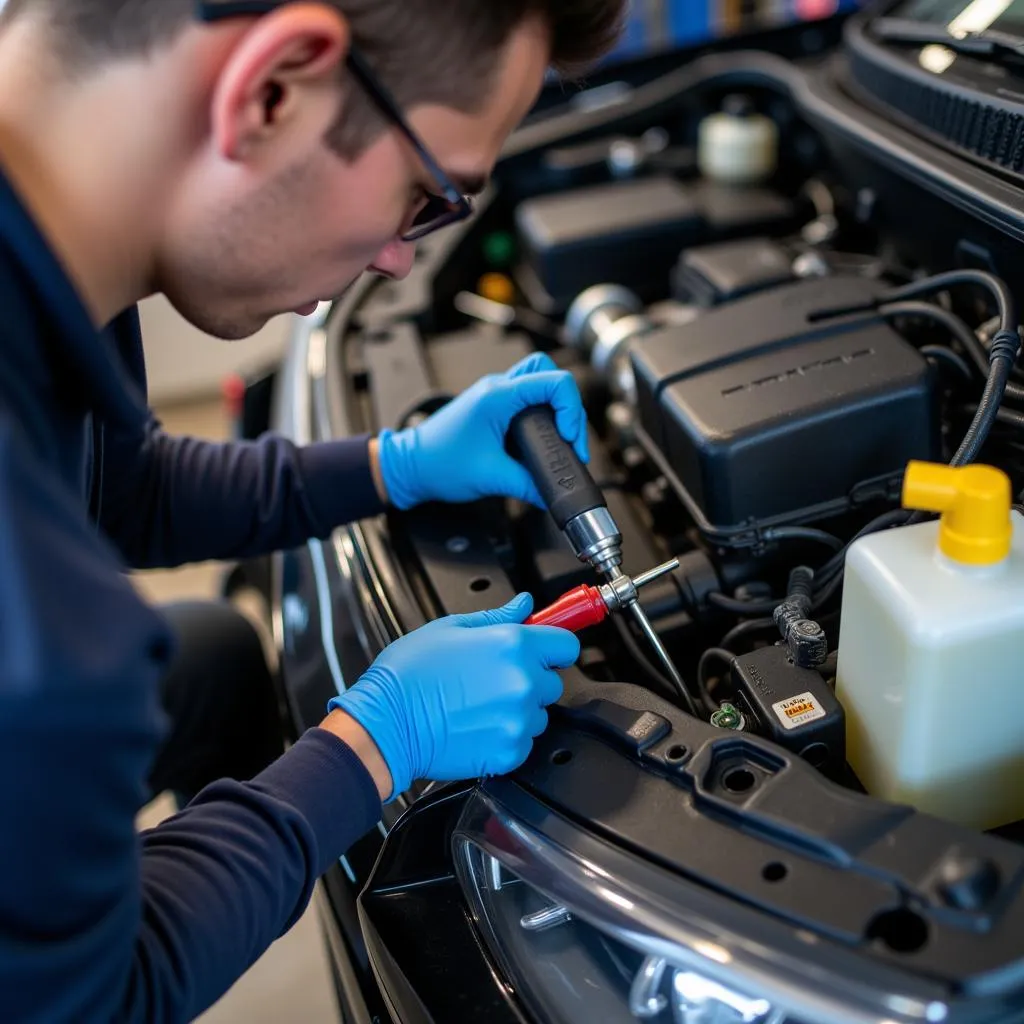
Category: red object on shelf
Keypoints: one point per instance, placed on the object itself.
(233, 393)
(579, 608)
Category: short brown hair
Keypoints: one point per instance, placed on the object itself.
(425, 51)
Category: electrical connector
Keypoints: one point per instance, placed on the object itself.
(792, 706)
(804, 637)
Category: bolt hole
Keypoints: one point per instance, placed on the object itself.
(561, 757)
(901, 930)
(739, 780)
(480, 584)
(816, 755)
(774, 872)
(677, 753)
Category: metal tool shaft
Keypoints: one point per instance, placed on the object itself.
(645, 624)
(656, 573)
(655, 641)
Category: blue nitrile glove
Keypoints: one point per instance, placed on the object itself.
(461, 697)
(459, 453)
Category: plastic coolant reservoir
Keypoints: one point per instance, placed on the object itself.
(737, 146)
(931, 651)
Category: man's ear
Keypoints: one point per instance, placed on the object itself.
(284, 69)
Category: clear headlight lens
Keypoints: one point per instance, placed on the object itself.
(584, 933)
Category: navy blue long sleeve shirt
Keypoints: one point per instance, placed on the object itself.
(98, 923)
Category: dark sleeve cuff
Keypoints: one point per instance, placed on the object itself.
(324, 780)
(339, 483)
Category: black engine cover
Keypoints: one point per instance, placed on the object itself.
(763, 416)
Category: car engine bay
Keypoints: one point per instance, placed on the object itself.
(758, 371)
(772, 300)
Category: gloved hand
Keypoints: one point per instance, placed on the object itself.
(459, 454)
(462, 697)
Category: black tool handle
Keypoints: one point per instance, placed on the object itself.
(563, 480)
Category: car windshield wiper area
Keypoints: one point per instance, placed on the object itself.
(991, 43)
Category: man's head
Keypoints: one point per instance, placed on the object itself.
(282, 176)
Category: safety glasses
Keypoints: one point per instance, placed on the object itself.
(446, 206)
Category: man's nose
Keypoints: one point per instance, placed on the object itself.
(395, 260)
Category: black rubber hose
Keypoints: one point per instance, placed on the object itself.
(711, 654)
(997, 288)
(747, 608)
(823, 596)
(780, 533)
(1002, 354)
(941, 354)
(743, 629)
(1011, 418)
(803, 533)
(895, 517)
(979, 355)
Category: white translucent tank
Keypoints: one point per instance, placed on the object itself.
(931, 651)
(736, 145)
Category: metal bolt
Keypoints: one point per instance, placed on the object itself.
(808, 628)
(542, 920)
(968, 883)
(728, 717)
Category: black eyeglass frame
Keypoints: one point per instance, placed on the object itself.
(457, 206)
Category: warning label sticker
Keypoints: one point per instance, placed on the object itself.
(798, 710)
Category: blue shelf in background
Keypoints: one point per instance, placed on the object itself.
(656, 25)
(690, 21)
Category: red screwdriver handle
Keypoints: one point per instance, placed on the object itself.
(574, 611)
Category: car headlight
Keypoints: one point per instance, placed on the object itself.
(584, 931)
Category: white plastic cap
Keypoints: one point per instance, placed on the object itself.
(737, 149)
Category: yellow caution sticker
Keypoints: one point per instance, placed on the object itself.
(798, 710)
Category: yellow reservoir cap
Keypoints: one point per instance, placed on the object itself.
(975, 505)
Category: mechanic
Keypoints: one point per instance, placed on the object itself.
(241, 159)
